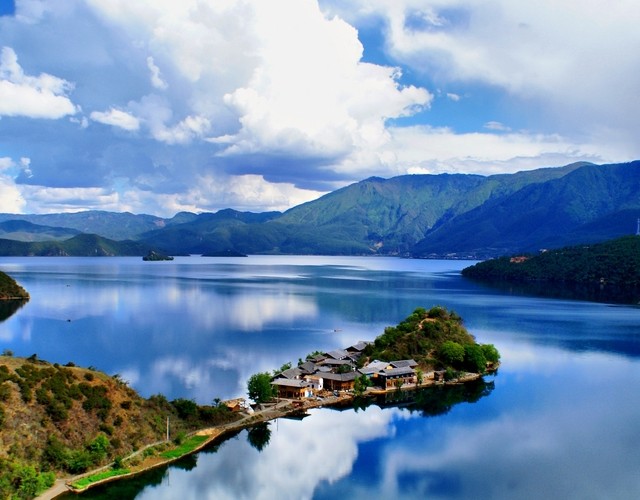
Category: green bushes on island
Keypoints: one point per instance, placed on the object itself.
(435, 339)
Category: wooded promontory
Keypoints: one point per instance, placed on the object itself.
(614, 262)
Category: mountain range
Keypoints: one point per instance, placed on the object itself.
(446, 215)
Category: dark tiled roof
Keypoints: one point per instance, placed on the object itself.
(403, 362)
(342, 377)
(337, 354)
(290, 382)
(394, 372)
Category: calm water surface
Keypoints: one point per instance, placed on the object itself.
(562, 419)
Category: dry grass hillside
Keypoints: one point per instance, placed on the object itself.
(66, 419)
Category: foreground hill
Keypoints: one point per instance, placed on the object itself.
(10, 289)
(456, 216)
(615, 263)
(64, 419)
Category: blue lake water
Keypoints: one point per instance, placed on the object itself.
(562, 419)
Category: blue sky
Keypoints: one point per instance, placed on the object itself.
(158, 106)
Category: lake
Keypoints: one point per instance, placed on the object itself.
(561, 419)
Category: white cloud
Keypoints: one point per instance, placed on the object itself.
(116, 118)
(43, 96)
(156, 78)
(438, 150)
(571, 58)
(497, 126)
(43, 199)
(296, 87)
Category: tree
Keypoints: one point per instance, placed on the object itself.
(360, 385)
(451, 353)
(474, 359)
(490, 353)
(259, 387)
(419, 376)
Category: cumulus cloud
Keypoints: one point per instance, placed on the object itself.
(484, 153)
(116, 118)
(43, 96)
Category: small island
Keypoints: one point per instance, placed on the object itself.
(156, 256)
(88, 427)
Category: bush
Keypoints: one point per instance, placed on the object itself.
(474, 360)
(490, 353)
(451, 353)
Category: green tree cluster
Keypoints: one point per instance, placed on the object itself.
(259, 387)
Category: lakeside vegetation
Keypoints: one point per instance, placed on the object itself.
(614, 263)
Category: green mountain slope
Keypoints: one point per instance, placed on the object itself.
(466, 216)
(545, 215)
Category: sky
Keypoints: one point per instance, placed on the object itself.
(158, 106)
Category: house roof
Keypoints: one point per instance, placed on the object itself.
(342, 377)
(359, 346)
(317, 358)
(403, 362)
(308, 367)
(374, 367)
(290, 382)
(336, 362)
(294, 372)
(394, 372)
(337, 354)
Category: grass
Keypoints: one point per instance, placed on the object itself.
(187, 446)
(94, 478)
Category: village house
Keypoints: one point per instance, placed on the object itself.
(395, 377)
(293, 388)
(339, 381)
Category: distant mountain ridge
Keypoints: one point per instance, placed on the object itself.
(446, 215)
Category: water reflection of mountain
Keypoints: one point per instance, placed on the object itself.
(9, 307)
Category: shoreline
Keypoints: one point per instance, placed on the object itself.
(282, 408)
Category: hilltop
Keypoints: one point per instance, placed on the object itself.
(436, 339)
(423, 216)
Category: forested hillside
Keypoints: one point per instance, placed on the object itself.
(615, 262)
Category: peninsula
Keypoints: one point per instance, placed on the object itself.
(614, 262)
(87, 427)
